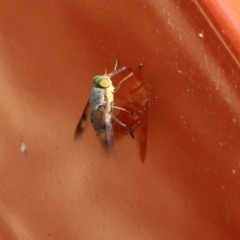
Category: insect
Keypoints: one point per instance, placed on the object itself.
(101, 106)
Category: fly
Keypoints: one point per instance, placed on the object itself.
(101, 106)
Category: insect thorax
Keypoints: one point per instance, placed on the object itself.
(101, 102)
(100, 97)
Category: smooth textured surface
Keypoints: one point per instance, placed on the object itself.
(55, 188)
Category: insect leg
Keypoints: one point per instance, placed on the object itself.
(128, 76)
(123, 125)
(115, 72)
(123, 109)
(115, 67)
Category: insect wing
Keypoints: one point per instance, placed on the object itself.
(82, 122)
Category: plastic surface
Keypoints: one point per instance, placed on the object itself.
(54, 188)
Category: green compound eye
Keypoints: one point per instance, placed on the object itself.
(104, 83)
(101, 82)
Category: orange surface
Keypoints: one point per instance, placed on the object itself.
(55, 188)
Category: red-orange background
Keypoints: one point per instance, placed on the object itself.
(188, 186)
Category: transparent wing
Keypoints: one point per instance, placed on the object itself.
(82, 122)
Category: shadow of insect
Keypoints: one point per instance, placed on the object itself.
(137, 101)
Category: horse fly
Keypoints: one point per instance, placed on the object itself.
(101, 105)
